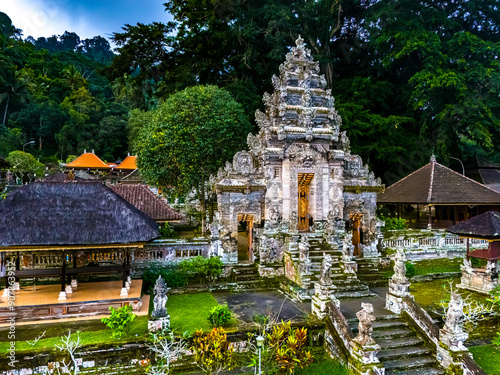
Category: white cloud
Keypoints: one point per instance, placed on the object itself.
(45, 17)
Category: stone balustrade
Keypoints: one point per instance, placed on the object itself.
(429, 244)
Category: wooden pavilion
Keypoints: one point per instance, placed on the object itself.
(127, 165)
(484, 227)
(435, 196)
(68, 230)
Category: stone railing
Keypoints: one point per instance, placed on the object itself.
(430, 244)
(340, 334)
(422, 320)
(471, 367)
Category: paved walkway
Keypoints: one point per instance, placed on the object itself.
(247, 305)
(350, 306)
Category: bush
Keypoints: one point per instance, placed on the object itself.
(166, 231)
(120, 320)
(171, 273)
(219, 315)
(202, 268)
(410, 269)
(393, 223)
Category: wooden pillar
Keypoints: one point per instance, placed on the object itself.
(124, 270)
(430, 217)
(63, 274)
(128, 262)
(467, 249)
(418, 216)
(18, 264)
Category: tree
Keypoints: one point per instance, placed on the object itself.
(189, 137)
(167, 348)
(14, 89)
(25, 164)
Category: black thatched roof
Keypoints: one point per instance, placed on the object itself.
(486, 226)
(71, 213)
(436, 184)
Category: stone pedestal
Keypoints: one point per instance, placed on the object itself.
(7, 292)
(350, 268)
(451, 360)
(155, 325)
(454, 341)
(129, 280)
(364, 359)
(478, 280)
(16, 286)
(127, 285)
(74, 284)
(398, 289)
(322, 296)
(68, 290)
(62, 296)
(124, 293)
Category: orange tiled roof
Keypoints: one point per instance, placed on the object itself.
(129, 163)
(88, 160)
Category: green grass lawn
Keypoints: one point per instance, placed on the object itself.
(102, 335)
(323, 366)
(189, 312)
(488, 357)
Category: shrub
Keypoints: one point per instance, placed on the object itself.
(202, 268)
(393, 223)
(410, 269)
(219, 315)
(212, 352)
(120, 320)
(171, 273)
(166, 231)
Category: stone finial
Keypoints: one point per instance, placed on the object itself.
(365, 327)
(160, 298)
(433, 158)
(299, 42)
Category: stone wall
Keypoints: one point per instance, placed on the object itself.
(429, 244)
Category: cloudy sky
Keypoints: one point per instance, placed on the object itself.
(85, 17)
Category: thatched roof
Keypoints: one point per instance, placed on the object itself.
(71, 213)
(145, 200)
(486, 226)
(436, 184)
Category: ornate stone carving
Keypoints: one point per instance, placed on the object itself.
(160, 299)
(326, 266)
(365, 327)
(453, 334)
(400, 267)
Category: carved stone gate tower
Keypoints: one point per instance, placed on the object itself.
(298, 175)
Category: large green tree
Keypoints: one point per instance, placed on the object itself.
(189, 137)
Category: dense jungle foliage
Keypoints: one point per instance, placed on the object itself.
(409, 77)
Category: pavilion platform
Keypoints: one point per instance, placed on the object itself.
(89, 299)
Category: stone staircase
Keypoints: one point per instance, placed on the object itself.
(347, 285)
(369, 272)
(402, 350)
(246, 277)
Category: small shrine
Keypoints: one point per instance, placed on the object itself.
(484, 227)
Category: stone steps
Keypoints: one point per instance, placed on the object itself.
(402, 351)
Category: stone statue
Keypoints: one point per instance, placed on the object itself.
(400, 266)
(294, 220)
(326, 267)
(365, 328)
(467, 266)
(304, 247)
(215, 226)
(491, 267)
(455, 314)
(347, 247)
(160, 298)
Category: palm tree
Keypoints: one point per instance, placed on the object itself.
(73, 77)
(14, 89)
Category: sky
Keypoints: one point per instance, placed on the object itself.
(87, 18)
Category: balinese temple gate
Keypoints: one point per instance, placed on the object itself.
(298, 178)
